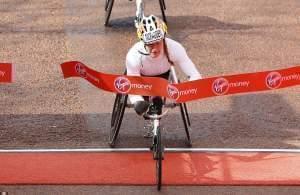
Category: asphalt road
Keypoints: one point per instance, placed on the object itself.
(42, 110)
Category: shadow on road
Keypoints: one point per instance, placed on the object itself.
(254, 121)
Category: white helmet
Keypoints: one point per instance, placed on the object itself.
(151, 29)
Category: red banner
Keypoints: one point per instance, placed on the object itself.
(6, 73)
(188, 91)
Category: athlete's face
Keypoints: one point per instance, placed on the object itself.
(155, 49)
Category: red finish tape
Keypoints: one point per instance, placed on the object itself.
(187, 91)
(6, 73)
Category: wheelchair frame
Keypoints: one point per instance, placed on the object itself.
(157, 147)
(110, 3)
(121, 103)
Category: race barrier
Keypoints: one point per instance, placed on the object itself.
(187, 91)
(6, 73)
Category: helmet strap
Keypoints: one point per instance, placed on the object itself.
(144, 53)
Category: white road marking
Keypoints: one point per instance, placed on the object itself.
(204, 150)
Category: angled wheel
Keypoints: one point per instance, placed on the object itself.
(117, 117)
(186, 122)
(187, 114)
(164, 4)
(106, 5)
(108, 8)
(162, 8)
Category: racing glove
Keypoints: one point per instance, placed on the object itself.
(141, 107)
(156, 108)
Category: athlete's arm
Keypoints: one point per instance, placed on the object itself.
(181, 59)
(133, 69)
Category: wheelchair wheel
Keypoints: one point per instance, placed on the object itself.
(158, 156)
(164, 4)
(186, 122)
(108, 8)
(106, 5)
(117, 117)
(115, 109)
(162, 8)
(187, 114)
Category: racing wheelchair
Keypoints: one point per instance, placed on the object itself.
(110, 3)
(121, 102)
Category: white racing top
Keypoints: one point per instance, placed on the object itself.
(138, 64)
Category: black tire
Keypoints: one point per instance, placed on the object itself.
(117, 117)
(159, 158)
(187, 114)
(162, 8)
(164, 4)
(115, 109)
(106, 5)
(108, 8)
(186, 122)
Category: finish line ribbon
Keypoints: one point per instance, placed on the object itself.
(6, 73)
(187, 91)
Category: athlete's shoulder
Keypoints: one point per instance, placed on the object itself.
(135, 48)
(173, 44)
(133, 56)
(175, 49)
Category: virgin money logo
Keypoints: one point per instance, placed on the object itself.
(273, 80)
(80, 69)
(122, 84)
(173, 92)
(220, 86)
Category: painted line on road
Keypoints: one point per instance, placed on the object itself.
(270, 150)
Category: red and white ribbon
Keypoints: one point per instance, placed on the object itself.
(187, 91)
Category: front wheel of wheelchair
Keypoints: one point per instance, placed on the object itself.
(158, 156)
(186, 122)
(117, 117)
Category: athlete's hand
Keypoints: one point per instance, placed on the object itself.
(141, 107)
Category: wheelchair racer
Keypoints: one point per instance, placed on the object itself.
(153, 56)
